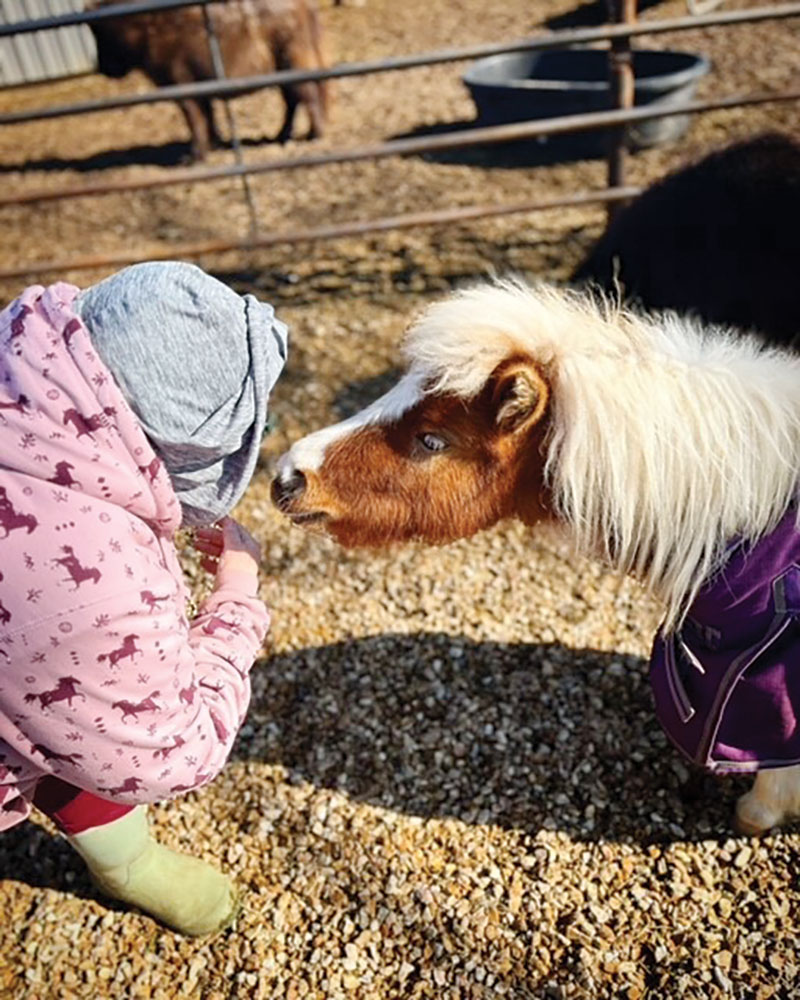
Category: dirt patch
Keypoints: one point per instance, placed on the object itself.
(451, 782)
(150, 140)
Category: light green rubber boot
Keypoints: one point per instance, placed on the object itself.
(181, 891)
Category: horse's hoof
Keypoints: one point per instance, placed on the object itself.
(753, 819)
(746, 828)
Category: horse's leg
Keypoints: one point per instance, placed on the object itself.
(199, 127)
(773, 799)
(291, 100)
(314, 98)
(214, 138)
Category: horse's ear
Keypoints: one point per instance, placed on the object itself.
(520, 396)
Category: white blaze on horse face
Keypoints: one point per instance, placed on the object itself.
(308, 453)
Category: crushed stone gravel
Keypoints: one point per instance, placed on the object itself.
(450, 783)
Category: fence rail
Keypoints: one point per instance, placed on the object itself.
(90, 16)
(334, 231)
(616, 193)
(556, 40)
(488, 135)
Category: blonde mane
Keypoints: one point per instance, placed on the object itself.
(668, 439)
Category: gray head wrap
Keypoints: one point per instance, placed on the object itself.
(196, 362)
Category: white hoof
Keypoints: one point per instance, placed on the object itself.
(774, 799)
(753, 818)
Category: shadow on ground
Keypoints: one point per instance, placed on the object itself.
(590, 15)
(32, 855)
(168, 154)
(446, 259)
(507, 155)
(516, 735)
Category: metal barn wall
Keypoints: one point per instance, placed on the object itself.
(43, 55)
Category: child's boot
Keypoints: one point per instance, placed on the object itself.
(127, 864)
(181, 891)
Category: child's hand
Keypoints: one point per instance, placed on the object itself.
(227, 548)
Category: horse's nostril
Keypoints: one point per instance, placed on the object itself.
(296, 484)
(288, 488)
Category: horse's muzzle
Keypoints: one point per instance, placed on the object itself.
(286, 489)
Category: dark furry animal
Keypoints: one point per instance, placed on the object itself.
(256, 36)
(719, 239)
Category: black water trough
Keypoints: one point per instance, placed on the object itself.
(521, 86)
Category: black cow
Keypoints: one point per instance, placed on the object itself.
(719, 239)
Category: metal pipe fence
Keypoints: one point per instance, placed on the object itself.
(554, 40)
(488, 135)
(335, 231)
(621, 81)
(90, 16)
(619, 36)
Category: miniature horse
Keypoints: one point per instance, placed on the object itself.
(667, 449)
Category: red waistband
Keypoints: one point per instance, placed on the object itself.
(74, 810)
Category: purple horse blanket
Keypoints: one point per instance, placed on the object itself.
(727, 683)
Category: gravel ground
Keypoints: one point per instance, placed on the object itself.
(451, 783)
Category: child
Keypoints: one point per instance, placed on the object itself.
(127, 410)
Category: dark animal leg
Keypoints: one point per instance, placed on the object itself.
(313, 96)
(199, 126)
(292, 99)
(207, 108)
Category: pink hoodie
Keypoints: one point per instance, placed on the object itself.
(103, 681)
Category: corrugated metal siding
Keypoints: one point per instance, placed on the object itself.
(43, 55)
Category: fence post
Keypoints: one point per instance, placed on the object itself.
(215, 51)
(621, 81)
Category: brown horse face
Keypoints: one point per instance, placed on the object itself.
(418, 465)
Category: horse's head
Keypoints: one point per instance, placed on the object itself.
(654, 442)
(456, 445)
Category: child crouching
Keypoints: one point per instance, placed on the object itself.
(127, 410)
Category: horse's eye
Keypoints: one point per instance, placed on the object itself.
(432, 442)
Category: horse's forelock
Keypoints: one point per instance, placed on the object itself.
(457, 343)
